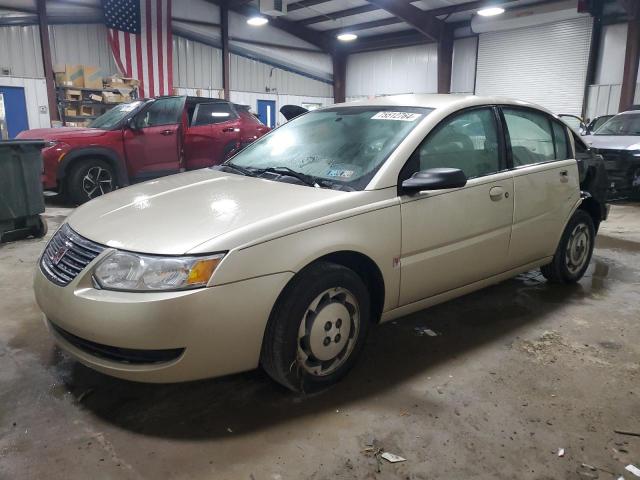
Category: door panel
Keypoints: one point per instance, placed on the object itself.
(544, 198)
(214, 133)
(546, 183)
(14, 107)
(152, 149)
(267, 112)
(154, 142)
(455, 237)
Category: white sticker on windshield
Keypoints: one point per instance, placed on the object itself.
(400, 116)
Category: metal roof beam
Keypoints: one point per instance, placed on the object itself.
(421, 20)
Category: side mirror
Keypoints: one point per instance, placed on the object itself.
(435, 179)
(131, 123)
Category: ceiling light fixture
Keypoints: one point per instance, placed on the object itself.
(257, 21)
(347, 37)
(490, 11)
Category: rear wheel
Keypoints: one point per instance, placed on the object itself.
(90, 178)
(317, 328)
(574, 251)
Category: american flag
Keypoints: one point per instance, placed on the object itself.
(141, 42)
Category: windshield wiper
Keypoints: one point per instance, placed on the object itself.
(306, 179)
(238, 168)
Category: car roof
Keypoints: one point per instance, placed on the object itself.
(437, 101)
(629, 112)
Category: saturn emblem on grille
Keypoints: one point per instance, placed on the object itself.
(60, 252)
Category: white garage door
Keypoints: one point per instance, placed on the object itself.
(545, 64)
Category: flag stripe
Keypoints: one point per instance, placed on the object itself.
(141, 42)
(160, 47)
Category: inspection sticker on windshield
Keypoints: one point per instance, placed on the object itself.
(399, 116)
(340, 173)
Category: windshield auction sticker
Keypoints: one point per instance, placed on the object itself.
(399, 116)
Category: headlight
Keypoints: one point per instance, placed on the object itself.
(130, 271)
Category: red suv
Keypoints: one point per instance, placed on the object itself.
(143, 139)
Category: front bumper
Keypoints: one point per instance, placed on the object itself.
(214, 331)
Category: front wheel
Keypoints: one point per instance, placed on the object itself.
(317, 328)
(90, 178)
(574, 251)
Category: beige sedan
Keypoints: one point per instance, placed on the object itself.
(286, 256)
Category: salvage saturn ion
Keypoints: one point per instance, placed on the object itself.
(289, 253)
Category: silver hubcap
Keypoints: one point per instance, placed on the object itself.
(328, 331)
(578, 248)
(97, 182)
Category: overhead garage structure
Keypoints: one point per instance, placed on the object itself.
(568, 56)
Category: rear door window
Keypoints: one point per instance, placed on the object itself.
(531, 136)
(212, 113)
(560, 141)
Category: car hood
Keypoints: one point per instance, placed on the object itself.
(63, 133)
(174, 215)
(612, 142)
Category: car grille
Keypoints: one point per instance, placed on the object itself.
(66, 255)
(611, 157)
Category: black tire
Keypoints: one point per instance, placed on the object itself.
(89, 178)
(564, 268)
(41, 228)
(282, 345)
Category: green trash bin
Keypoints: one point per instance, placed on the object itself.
(21, 199)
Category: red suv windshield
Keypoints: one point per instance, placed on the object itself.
(114, 116)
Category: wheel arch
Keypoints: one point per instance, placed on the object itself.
(593, 207)
(105, 154)
(363, 266)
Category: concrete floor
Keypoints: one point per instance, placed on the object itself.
(516, 372)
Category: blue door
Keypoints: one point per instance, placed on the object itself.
(267, 112)
(15, 108)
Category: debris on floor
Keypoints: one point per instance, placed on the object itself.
(627, 432)
(561, 452)
(392, 457)
(633, 469)
(425, 331)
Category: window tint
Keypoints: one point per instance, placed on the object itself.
(209, 113)
(560, 140)
(581, 147)
(164, 111)
(530, 135)
(468, 141)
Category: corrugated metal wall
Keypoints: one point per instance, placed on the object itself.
(20, 50)
(398, 70)
(251, 99)
(196, 65)
(545, 64)
(81, 43)
(249, 75)
(603, 97)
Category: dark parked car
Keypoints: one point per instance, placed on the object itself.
(595, 124)
(618, 141)
(141, 140)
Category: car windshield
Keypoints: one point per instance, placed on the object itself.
(336, 147)
(622, 124)
(114, 116)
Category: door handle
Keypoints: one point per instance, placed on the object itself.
(228, 129)
(496, 193)
(564, 176)
(166, 132)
